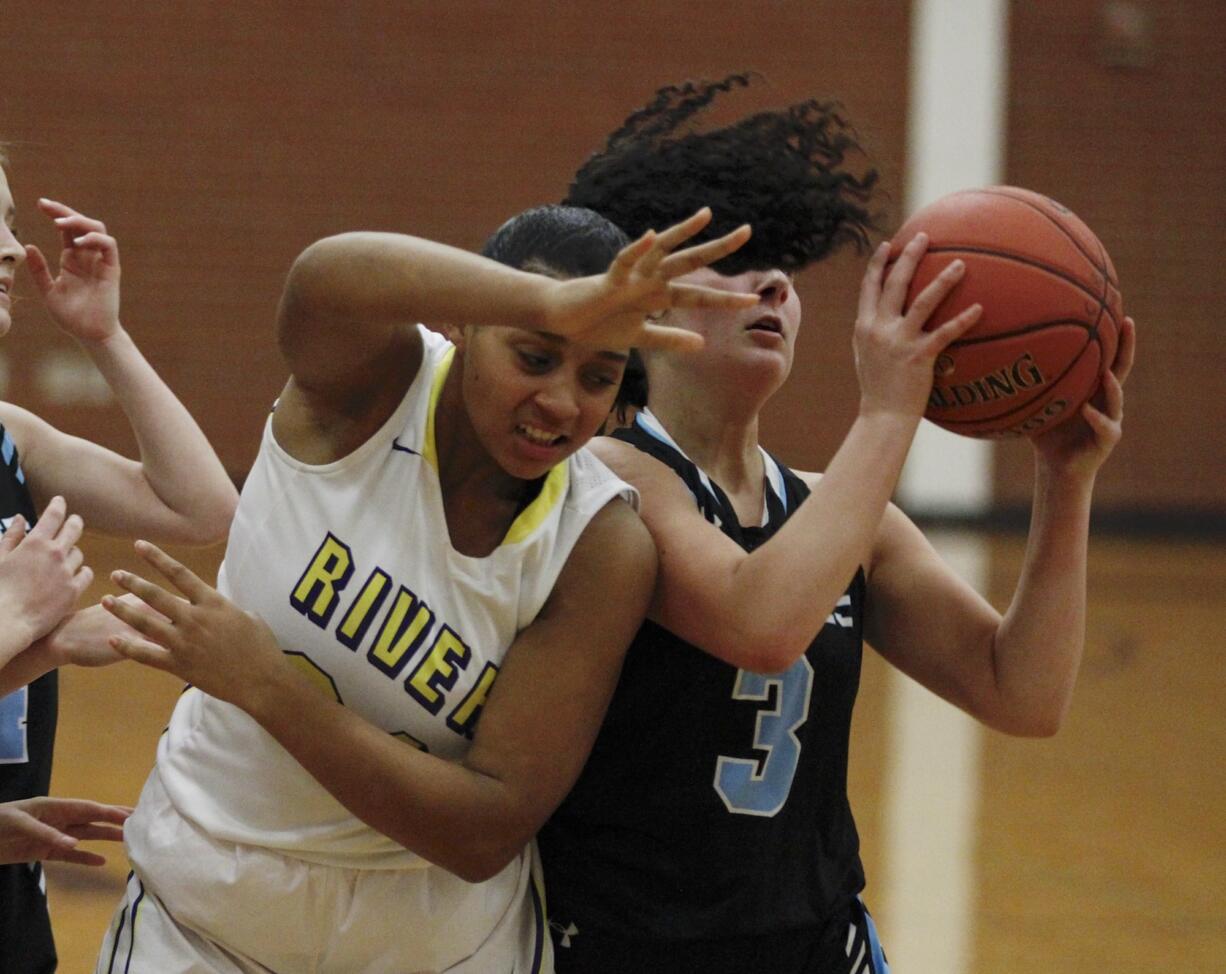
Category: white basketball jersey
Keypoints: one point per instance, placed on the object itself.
(351, 565)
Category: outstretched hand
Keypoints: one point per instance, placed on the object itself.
(1083, 442)
(895, 351)
(611, 310)
(84, 297)
(199, 635)
(37, 829)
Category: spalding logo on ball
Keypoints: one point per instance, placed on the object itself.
(1052, 310)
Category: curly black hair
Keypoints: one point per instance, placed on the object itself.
(785, 172)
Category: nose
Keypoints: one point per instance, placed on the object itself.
(558, 401)
(773, 287)
(11, 249)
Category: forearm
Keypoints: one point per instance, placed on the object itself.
(24, 666)
(1038, 647)
(396, 278)
(446, 813)
(177, 461)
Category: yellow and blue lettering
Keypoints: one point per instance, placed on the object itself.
(364, 609)
(463, 720)
(406, 627)
(316, 595)
(437, 670)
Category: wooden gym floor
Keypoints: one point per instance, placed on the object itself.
(1103, 848)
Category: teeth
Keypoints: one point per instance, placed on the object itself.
(543, 437)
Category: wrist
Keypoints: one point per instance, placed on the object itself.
(112, 342)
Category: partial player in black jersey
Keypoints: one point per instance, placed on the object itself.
(178, 490)
(710, 830)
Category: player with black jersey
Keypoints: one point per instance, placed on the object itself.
(27, 737)
(177, 490)
(710, 831)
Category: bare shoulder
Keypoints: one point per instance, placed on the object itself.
(28, 432)
(617, 539)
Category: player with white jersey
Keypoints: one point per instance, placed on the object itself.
(427, 593)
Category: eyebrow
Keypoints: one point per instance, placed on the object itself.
(608, 354)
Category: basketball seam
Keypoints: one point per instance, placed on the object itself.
(1090, 330)
(1021, 259)
(1056, 223)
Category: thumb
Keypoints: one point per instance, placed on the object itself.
(39, 270)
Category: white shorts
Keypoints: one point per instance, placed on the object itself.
(197, 905)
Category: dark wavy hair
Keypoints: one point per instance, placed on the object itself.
(567, 241)
(785, 172)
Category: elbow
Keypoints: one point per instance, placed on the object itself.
(1033, 722)
(769, 648)
(481, 861)
(311, 272)
(210, 524)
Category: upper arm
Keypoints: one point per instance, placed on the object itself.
(332, 326)
(115, 497)
(926, 619)
(558, 676)
(698, 562)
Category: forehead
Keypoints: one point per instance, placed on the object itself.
(610, 355)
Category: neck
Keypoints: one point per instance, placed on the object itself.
(465, 468)
(720, 434)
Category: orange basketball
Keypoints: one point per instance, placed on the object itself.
(1052, 310)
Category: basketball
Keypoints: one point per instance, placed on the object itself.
(1052, 310)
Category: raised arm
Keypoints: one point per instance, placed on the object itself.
(1014, 672)
(760, 610)
(533, 736)
(348, 316)
(177, 490)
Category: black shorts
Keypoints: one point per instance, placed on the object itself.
(26, 946)
(849, 945)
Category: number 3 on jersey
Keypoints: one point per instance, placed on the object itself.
(750, 787)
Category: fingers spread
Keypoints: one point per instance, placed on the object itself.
(143, 651)
(664, 338)
(178, 574)
(957, 326)
(927, 300)
(629, 256)
(894, 293)
(700, 255)
(697, 296)
(678, 233)
(167, 607)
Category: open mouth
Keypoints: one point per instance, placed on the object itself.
(539, 437)
(768, 324)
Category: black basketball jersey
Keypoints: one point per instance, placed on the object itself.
(710, 829)
(27, 737)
